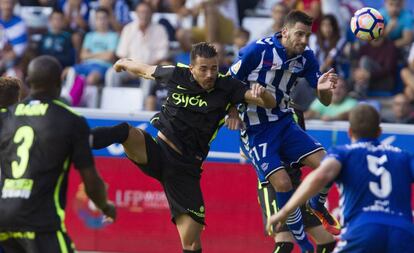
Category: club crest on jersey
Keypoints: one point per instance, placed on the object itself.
(264, 166)
(235, 68)
(296, 67)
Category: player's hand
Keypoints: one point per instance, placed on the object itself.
(328, 80)
(110, 212)
(257, 90)
(277, 220)
(121, 64)
(233, 121)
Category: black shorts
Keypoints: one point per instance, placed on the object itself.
(35, 242)
(267, 201)
(179, 175)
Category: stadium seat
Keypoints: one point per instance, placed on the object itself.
(256, 26)
(35, 17)
(122, 99)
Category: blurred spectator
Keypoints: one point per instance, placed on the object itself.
(98, 54)
(118, 13)
(407, 76)
(398, 23)
(328, 44)
(311, 7)
(338, 109)
(76, 15)
(15, 33)
(57, 42)
(279, 11)
(241, 38)
(377, 66)
(402, 111)
(140, 40)
(44, 3)
(183, 54)
(156, 97)
(244, 5)
(220, 20)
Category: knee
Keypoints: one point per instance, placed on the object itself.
(193, 245)
(281, 181)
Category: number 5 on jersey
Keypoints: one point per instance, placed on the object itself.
(24, 137)
(375, 166)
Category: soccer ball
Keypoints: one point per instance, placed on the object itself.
(367, 24)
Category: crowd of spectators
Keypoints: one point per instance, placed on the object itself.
(88, 36)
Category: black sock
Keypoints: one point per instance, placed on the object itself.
(104, 136)
(283, 247)
(325, 248)
(191, 251)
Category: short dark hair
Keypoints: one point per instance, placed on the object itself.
(203, 49)
(44, 72)
(9, 90)
(364, 121)
(56, 11)
(102, 9)
(296, 16)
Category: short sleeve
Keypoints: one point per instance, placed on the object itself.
(337, 154)
(317, 106)
(239, 89)
(82, 154)
(311, 73)
(163, 73)
(87, 41)
(248, 60)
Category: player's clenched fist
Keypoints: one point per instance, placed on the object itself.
(122, 64)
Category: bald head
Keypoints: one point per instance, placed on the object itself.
(44, 73)
(364, 121)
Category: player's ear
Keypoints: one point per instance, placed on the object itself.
(379, 132)
(350, 133)
(284, 31)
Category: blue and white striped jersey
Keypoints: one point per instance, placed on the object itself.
(266, 62)
(374, 184)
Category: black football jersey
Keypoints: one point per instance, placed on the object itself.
(191, 116)
(39, 138)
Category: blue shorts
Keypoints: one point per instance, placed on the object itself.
(378, 238)
(271, 145)
(87, 68)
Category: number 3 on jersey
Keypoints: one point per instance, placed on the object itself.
(375, 166)
(23, 136)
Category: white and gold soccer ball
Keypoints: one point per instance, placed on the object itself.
(367, 24)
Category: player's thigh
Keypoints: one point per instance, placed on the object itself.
(314, 159)
(135, 146)
(152, 165)
(320, 235)
(57, 241)
(262, 148)
(297, 145)
(189, 231)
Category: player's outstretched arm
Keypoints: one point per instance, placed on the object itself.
(96, 191)
(135, 68)
(326, 83)
(311, 185)
(258, 95)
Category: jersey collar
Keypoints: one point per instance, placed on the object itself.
(373, 140)
(281, 50)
